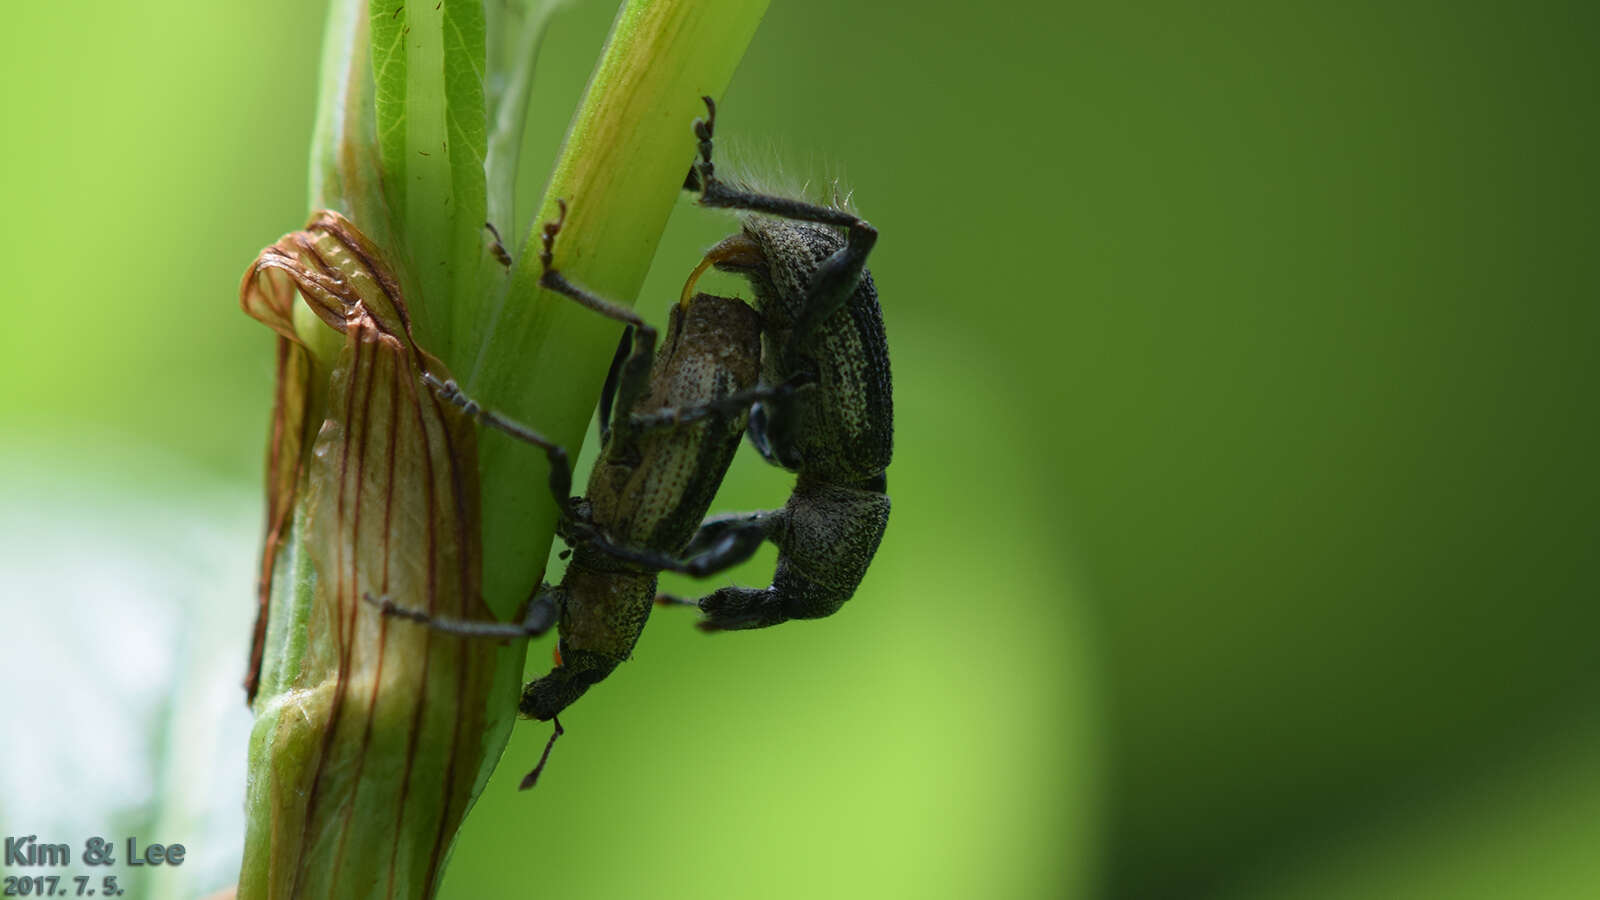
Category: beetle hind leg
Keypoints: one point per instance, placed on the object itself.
(826, 537)
(838, 275)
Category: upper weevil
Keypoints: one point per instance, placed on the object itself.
(820, 323)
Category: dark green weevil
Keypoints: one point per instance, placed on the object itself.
(820, 322)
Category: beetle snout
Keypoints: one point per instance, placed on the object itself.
(737, 253)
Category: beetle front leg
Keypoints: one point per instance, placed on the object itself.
(836, 279)
(635, 370)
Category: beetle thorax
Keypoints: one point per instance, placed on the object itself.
(793, 254)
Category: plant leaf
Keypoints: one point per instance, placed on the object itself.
(515, 30)
(431, 130)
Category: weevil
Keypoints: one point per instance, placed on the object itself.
(672, 420)
(820, 321)
(805, 374)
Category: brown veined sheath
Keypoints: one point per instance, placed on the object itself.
(377, 731)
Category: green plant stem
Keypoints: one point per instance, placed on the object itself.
(620, 170)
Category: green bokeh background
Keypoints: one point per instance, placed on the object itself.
(1245, 516)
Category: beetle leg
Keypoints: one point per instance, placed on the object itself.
(718, 533)
(826, 538)
(498, 247)
(727, 540)
(729, 405)
(560, 465)
(836, 279)
(541, 616)
(635, 373)
(608, 393)
(721, 543)
(757, 433)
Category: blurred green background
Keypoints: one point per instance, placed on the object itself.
(1244, 511)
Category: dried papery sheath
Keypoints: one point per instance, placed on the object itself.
(376, 731)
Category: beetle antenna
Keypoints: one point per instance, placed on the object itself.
(532, 778)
